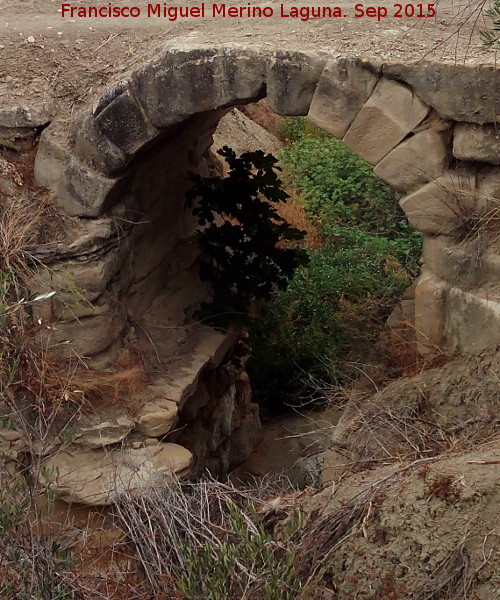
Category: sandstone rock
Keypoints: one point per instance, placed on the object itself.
(421, 158)
(157, 417)
(343, 89)
(473, 319)
(20, 121)
(476, 142)
(464, 263)
(291, 80)
(79, 284)
(211, 348)
(85, 338)
(430, 311)
(437, 207)
(103, 429)
(124, 123)
(245, 438)
(190, 80)
(98, 477)
(462, 92)
(244, 135)
(96, 149)
(389, 115)
(79, 191)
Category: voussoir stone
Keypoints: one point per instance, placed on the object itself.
(389, 115)
(292, 78)
(125, 124)
(95, 148)
(343, 88)
(476, 142)
(157, 417)
(417, 160)
(99, 477)
(187, 81)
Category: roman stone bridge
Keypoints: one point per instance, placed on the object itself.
(125, 267)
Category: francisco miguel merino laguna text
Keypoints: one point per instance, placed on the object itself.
(173, 13)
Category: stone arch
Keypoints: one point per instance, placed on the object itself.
(429, 130)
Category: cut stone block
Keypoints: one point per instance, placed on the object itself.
(460, 263)
(436, 207)
(417, 160)
(78, 190)
(291, 80)
(96, 149)
(473, 319)
(343, 89)
(430, 299)
(476, 142)
(389, 115)
(124, 123)
(462, 92)
(489, 184)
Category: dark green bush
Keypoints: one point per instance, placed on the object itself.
(242, 235)
(334, 307)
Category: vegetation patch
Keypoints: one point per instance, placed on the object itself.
(318, 330)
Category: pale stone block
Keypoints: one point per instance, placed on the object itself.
(343, 89)
(458, 91)
(430, 307)
(98, 477)
(417, 160)
(157, 417)
(390, 114)
(476, 142)
(430, 209)
(473, 319)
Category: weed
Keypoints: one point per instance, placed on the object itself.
(445, 488)
(211, 541)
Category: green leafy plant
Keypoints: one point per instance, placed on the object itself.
(242, 235)
(249, 563)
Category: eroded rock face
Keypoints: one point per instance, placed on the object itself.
(98, 477)
(104, 428)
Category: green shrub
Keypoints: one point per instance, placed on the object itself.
(334, 307)
(249, 563)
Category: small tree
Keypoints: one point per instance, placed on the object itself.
(243, 238)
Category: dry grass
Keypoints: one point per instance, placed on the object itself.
(293, 212)
(454, 577)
